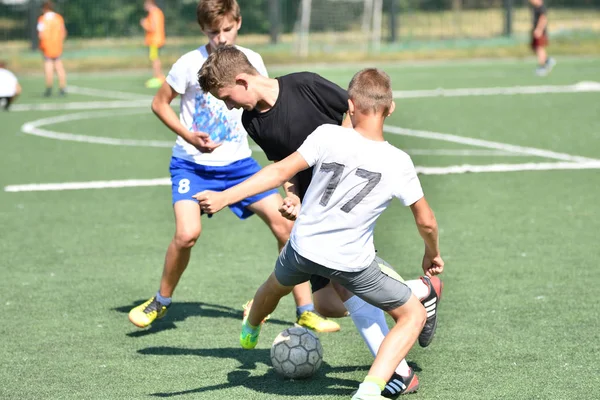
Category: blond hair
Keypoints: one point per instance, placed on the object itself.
(221, 68)
(211, 12)
(371, 91)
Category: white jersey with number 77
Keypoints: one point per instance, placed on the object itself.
(354, 180)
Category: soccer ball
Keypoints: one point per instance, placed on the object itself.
(296, 353)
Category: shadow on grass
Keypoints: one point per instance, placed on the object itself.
(179, 312)
(320, 384)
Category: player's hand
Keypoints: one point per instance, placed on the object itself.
(432, 265)
(290, 208)
(211, 202)
(537, 33)
(202, 142)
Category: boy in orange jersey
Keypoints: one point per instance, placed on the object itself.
(154, 25)
(52, 33)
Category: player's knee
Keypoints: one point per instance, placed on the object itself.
(186, 239)
(282, 228)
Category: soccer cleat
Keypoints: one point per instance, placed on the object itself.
(431, 305)
(246, 311)
(357, 396)
(249, 336)
(48, 92)
(550, 63)
(144, 314)
(316, 322)
(399, 384)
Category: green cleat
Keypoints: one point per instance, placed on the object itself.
(249, 335)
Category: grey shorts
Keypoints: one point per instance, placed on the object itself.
(378, 284)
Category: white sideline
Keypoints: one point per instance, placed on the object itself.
(495, 91)
(532, 151)
(453, 169)
(138, 100)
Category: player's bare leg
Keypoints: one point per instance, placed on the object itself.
(267, 209)
(157, 69)
(542, 56)
(328, 303)
(49, 76)
(265, 301)
(187, 231)
(62, 75)
(410, 319)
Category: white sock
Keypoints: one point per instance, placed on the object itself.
(419, 288)
(372, 326)
(403, 368)
(369, 320)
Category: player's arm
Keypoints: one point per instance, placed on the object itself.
(161, 106)
(428, 229)
(270, 177)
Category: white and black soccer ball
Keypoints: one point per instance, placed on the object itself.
(296, 353)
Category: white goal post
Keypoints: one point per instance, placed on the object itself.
(326, 26)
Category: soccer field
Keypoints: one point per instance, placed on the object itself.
(509, 162)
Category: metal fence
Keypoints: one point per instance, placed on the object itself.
(403, 19)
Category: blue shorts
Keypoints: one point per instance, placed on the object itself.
(188, 178)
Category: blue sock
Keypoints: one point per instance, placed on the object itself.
(301, 309)
(165, 301)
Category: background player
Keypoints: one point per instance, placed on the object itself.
(211, 152)
(154, 26)
(9, 87)
(279, 114)
(539, 38)
(52, 33)
(352, 185)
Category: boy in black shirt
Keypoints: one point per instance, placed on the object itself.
(278, 115)
(539, 38)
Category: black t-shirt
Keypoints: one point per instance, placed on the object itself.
(537, 13)
(305, 102)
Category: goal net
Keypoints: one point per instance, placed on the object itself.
(333, 26)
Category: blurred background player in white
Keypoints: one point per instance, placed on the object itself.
(9, 87)
(539, 38)
(352, 185)
(52, 34)
(211, 152)
(279, 114)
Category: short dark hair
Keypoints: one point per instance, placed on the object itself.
(371, 91)
(222, 66)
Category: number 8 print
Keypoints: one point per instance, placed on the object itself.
(184, 186)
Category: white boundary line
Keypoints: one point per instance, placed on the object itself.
(532, 151)
(575, 162)
(580, 87)
(455, 169)
(81, 105)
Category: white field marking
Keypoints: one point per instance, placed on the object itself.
(453, 169)
(33, 128)
(109, 94)
(43, 187)
(532, 151)
(82, 105)
(494, 91)
(461, 152)
(461, 169)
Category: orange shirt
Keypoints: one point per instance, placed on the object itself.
(52, 33)
(154, 25)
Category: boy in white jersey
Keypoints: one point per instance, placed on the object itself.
(352, 185)
(9, 87)
(211, 152)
